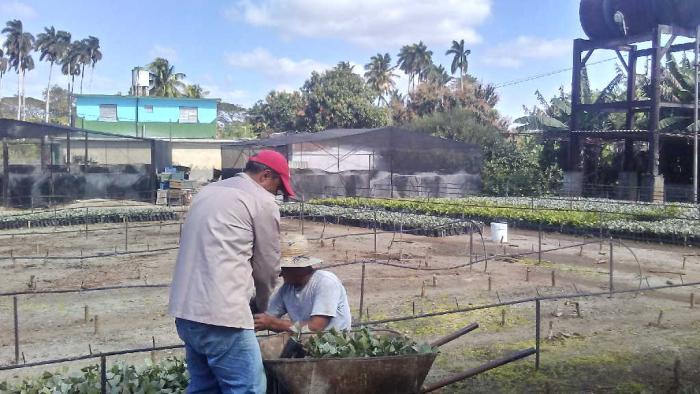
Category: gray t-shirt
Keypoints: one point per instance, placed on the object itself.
(323, 295)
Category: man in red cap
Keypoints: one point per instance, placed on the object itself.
(226, 269)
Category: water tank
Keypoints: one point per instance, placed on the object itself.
(605, 19)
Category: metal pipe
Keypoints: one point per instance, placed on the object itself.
(103, 374)
(612, 289)
(482, 368)
(695, 118)
(16, 321)
(537, 333)
(451, 337)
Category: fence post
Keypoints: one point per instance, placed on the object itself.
(126, 233)
(16, 321)
(471, 244)
(375, 234)
(301, 217)
(362, 292)
(103, 374)
(86, 222)
(539, 244)
(537, 333)
(612, 289)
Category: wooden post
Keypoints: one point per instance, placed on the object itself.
(554, 279)
(362, 291)
(86, 215)
(471, 244)
(527, 274)
(375, 234)
(97, 325)
(15, 314)
(539, 244)
(503, 317)
(434, 280)
(661, 316)
(86, 312)
(126, 233)
(578, 309)
(153, 352)
(422, 290)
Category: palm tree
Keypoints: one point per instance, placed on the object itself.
(84, 59)
(92, 46)
(70, 63)
(70, 66)
(3, 69)
(459, 60)
(380, 75)
(195, 91)
(407, 63)
(423, 61)
(19, 45)
(52, 45)
(167, 82)
(438, 75)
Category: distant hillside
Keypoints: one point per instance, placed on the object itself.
(35, 108)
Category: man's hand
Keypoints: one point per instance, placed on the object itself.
(264, 321)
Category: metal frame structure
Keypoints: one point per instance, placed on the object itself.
(583, 49)
(45, 133)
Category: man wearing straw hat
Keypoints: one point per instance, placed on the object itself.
(311, 298)
(227, 265)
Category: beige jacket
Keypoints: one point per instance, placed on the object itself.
(229, 254)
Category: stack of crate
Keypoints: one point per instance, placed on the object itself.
(174, 188)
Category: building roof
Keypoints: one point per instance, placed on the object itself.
(291, 138)
(145, 97)
(22, 129)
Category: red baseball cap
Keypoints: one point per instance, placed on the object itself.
(277, 163)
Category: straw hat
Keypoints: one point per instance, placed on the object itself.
(295, 252)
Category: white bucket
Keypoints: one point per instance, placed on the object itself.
(499, 232)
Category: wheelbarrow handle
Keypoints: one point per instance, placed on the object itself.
(482, 368)
(451, 337)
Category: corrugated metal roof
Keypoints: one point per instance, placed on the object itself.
(291, 138)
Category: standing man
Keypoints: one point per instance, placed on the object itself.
(226, 269)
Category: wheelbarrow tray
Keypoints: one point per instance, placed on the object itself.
(391, 374)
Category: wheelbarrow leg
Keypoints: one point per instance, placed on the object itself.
(482, 368)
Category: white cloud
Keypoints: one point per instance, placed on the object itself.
(513, 54)
(369, 23)
(281, 69)
(164, 52)
(235, 96)
(16, 10)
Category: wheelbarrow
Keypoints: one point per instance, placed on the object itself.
(391, 374)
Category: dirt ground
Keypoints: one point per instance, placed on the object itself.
(615, 345)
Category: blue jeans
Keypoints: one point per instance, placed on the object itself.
(221, 359)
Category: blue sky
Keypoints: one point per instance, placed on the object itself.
(239, 50)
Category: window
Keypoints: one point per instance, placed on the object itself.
(148, 108)
(108, 112)
(188, 115)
